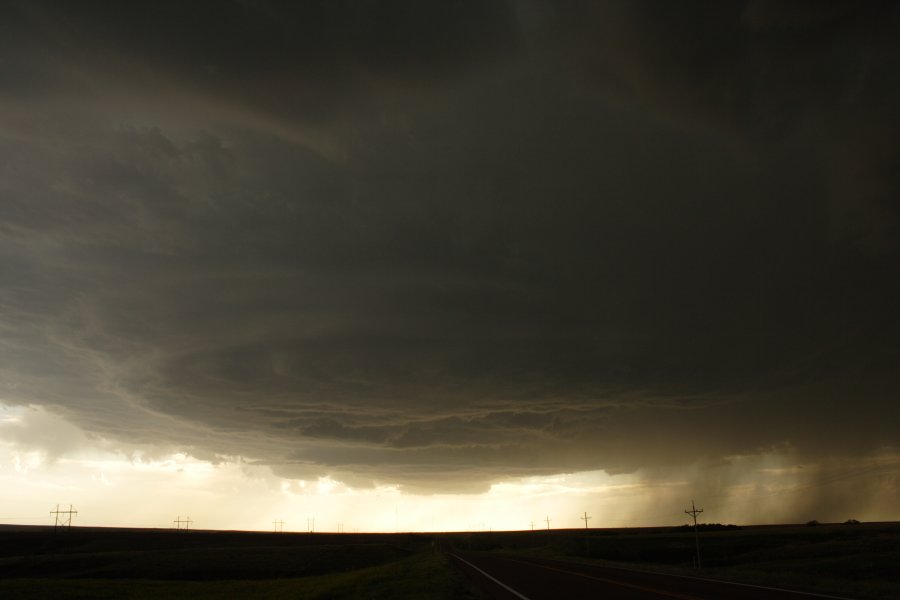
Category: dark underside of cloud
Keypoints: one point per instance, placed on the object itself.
(445, 243)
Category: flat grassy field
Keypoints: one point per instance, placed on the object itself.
(854, 561)
(134, 563)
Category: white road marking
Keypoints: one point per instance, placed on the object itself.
(494, 579)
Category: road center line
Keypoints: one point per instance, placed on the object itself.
(494, 579)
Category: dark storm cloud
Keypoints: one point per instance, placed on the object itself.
(282, 65)
(765, 71)
(440, 244)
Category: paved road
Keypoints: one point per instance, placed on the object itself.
(516, 578)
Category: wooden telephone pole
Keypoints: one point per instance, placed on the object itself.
(694, 512)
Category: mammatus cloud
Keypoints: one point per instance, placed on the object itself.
(638, 238)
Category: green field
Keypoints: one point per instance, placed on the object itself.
(856, 561)
(114, 563)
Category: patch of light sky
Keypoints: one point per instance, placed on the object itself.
(111, 487)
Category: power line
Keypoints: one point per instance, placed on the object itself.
(63, 518)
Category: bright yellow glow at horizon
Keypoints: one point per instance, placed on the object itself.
(149, 489)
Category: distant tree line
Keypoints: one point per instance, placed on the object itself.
(708, 527)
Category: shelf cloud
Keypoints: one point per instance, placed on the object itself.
(443, 244)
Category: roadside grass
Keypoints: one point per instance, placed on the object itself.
(817, 575)
(425, 575)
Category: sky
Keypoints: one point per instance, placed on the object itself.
(463, 265)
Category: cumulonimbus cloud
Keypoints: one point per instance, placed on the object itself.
(313, 247)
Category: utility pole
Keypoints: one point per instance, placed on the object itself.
(63, 518)
(532, 525)
(694, 512)
(279, 525)
(310, 524)
(548, 522)
(585, 518)
(179, 522)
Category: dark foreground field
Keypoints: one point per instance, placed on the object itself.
(142, 563)
(856, 561)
